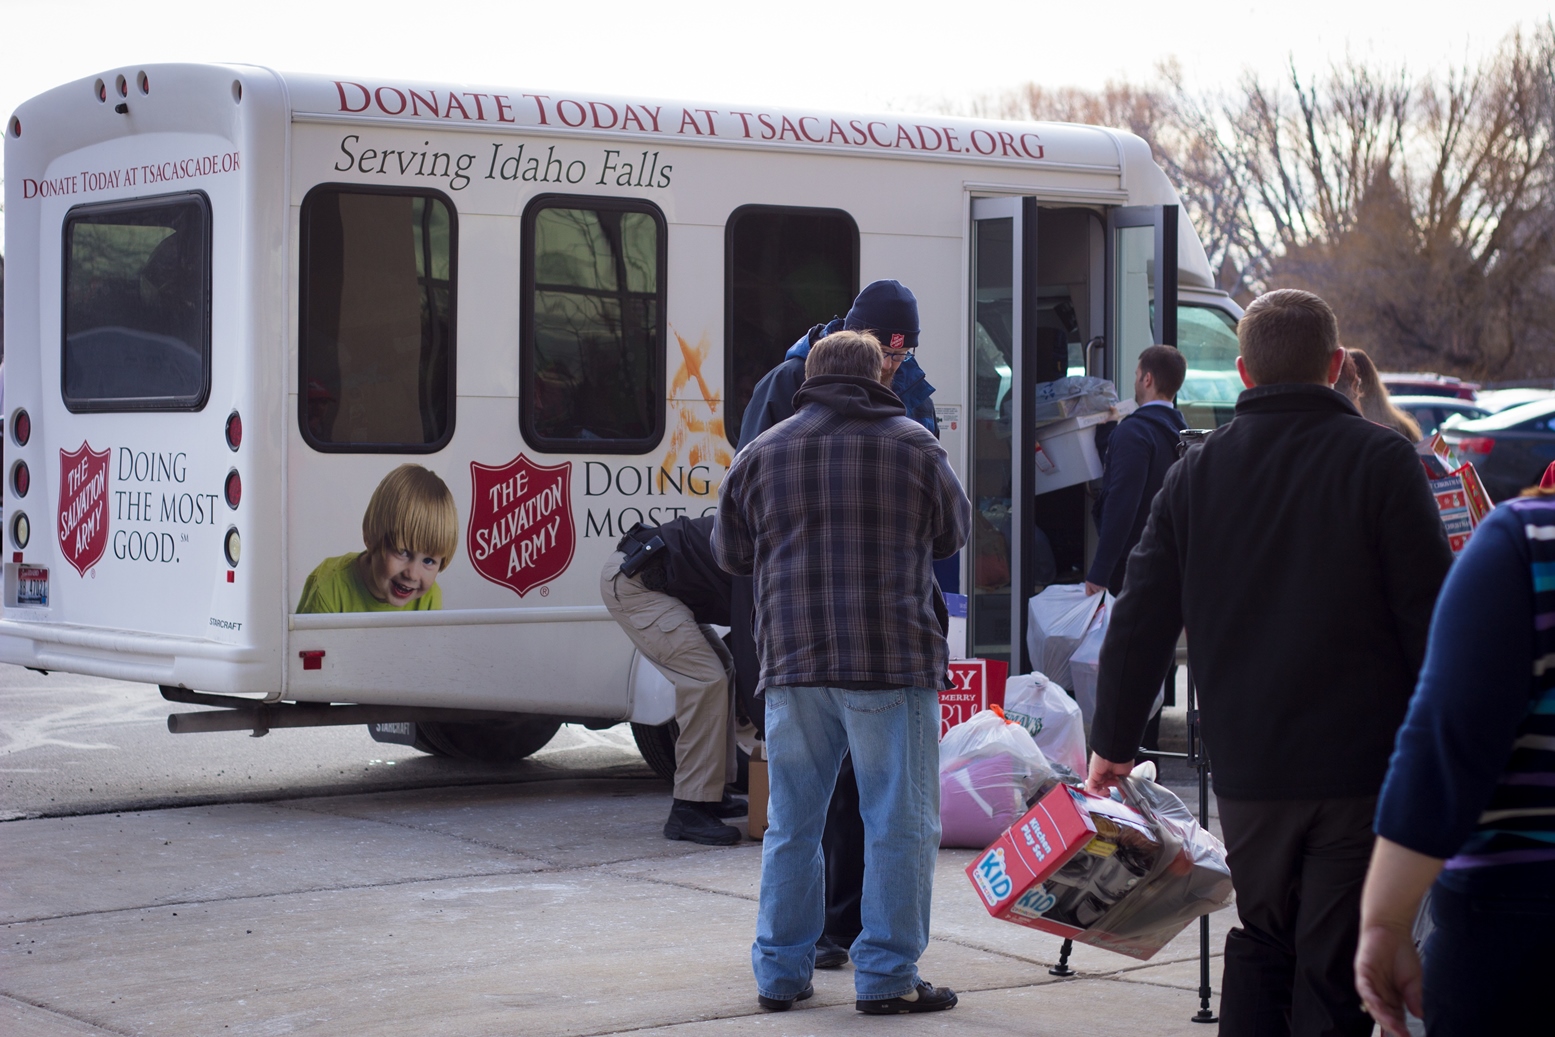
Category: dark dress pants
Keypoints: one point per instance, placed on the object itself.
(842, 842)
(1298, 867)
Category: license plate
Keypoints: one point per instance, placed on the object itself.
(32, 585)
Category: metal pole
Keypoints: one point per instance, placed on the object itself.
(1062, 969)
(1200, 759)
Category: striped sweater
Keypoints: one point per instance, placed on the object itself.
(1472, 779)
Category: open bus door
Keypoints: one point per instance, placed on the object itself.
(1055, 291)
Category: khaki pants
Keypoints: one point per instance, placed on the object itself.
(693, 658)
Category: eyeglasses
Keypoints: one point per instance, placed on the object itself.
(898, 355)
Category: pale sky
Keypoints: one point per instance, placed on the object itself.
(838, 54)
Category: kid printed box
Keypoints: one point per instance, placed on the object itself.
(1063, 866)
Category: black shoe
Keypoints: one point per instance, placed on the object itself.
(729, 806)
(783, 1004)
(930, 999)
(829, 954)
(694, 823)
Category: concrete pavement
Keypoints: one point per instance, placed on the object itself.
(548, 908)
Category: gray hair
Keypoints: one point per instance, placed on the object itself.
(855, 353)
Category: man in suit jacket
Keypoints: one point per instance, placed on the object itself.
(1142, 448)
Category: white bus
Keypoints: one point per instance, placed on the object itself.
(236, 299)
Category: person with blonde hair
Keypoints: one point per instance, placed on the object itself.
(410, 530)
(1373, 401)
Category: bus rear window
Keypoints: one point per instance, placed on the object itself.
(137, 320)
(592, 349)
(785, 270)
(377, 338)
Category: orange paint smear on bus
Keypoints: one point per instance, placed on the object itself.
(697, 433)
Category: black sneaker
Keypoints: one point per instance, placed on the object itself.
(694, 823)
(783, 1004)
(926, 998)
(829, 954)
(729, 806)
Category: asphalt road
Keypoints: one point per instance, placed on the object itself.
(82, 745)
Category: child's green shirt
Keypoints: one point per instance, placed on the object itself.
(335, 586)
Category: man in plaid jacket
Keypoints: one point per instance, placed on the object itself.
(838, 513)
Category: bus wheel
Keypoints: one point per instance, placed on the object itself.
(501, 741)
(657, 744)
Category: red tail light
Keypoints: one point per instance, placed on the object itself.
(234, 489)
(1476, 445)
(234, 430)
(21, 427)
(21, 479)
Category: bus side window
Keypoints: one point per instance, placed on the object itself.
(376, 344)
(785, 269)
(592, 341)
(137, 320)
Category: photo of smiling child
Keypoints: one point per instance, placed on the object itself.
(410, 530)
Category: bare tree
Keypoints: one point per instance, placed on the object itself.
(1422, 206)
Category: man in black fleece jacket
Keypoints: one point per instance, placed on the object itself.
(1301, 548)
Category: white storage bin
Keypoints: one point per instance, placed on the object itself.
(1066, 452)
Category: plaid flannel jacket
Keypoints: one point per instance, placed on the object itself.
(838, 512)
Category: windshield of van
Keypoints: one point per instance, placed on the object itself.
(1207, 337)
(137, 305)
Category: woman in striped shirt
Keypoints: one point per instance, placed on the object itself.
(1468, 807)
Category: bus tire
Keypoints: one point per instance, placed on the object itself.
(657, 744)
(501, 741)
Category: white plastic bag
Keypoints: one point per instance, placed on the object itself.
(1073, 396)
(1192, 880)
(1086, 661)
(989, 767)
(1056, 621)
(1050, 716)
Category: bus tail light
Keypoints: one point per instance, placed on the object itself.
(234, 430)
(21, 531)
(234, 489)
(21, 479)
(21, 427)
(232, 546)
(1476, 445)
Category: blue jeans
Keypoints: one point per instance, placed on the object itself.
(894, 738)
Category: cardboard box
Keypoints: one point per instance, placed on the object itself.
(1066, 863)
(760, 792)
(979, 684)
(1463, 503)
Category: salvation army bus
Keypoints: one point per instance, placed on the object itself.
(237, 300)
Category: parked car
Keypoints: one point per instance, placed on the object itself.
(1431, 411)
(1503, 399)
(1427, 384)
(1510, 448)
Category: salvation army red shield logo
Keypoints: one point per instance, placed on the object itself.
(521, 533)
(83, 506)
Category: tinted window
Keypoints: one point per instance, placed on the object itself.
(137, 305)
(377, 342)
(1206, 336)
(592, 358)
(785, 269)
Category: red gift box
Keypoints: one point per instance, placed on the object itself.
(979, 683)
